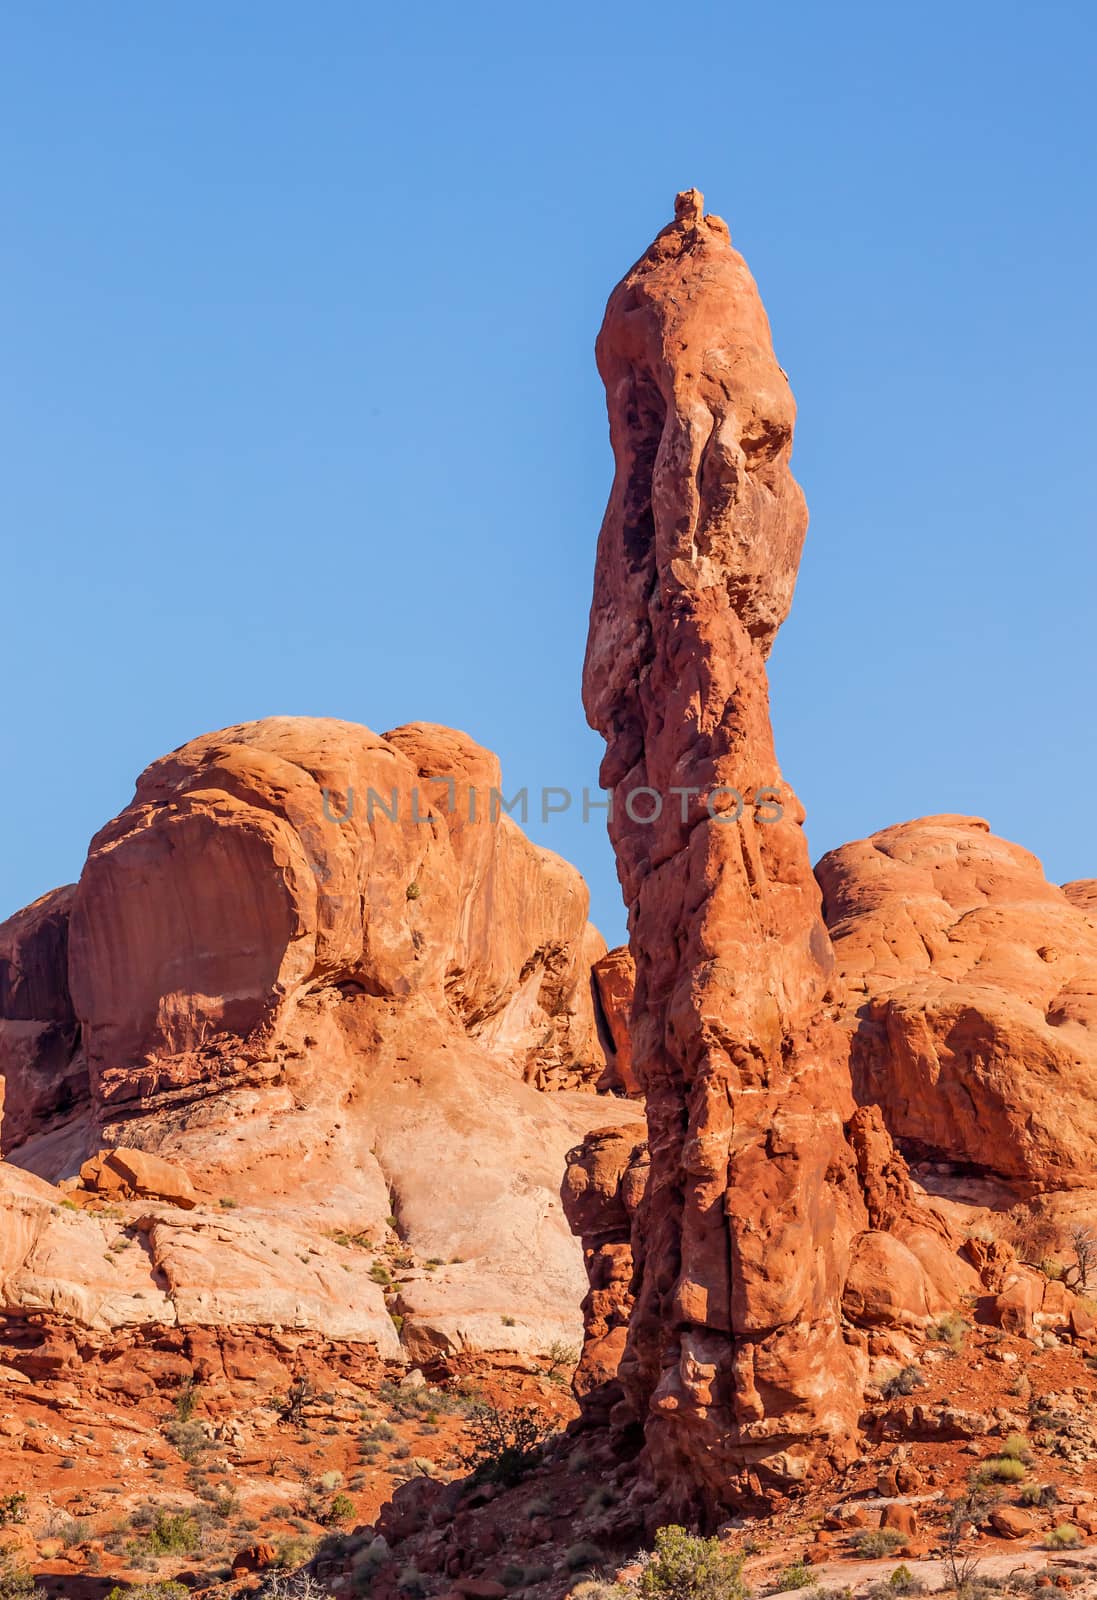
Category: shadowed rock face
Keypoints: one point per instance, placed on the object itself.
(736, 1360)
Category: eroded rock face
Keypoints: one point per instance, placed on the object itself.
(307, 1014)
(42, 1072)
(603, 1186)
(736, 1361)
(969, 989)
(615, 981)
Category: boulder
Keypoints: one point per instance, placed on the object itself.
(136, 1172)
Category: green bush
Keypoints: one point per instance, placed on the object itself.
(1039, 1494)
(687, 1567)
(797, 1576)
(1002, 1469)
(342, 1509)
(1064, 1537)
(173, 1533)
(903, 1581)
(1016, 1447)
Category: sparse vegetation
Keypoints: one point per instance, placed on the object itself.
(13, 1509)
(685, 1566)
(186, 1398)
(1043, 1495)
(150, 1591)
(1002, 1469)
(872, 1543)
(1083, 1242)
(583, 1554)
(292, 1408)
(227, 1203)
(16, 1582)
(1064, 1537)
(902, 1581)
(901, 1383)
(950, 1329)
(796, 1576)
(189, 1438)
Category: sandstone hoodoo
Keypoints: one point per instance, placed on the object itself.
(740, 1364)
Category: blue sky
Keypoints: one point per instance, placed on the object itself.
(301, 416)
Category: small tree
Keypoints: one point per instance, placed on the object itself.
(504, 1445)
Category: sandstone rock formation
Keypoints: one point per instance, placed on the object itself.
(614, 982)
(740, 1361)
(969, 988)
(311, 988)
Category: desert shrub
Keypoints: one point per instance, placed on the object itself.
(380, 1274)
(685, 1566)
(186, 1398)
(1064, 1537)
(75, 1531)
(293, 1553)
(797, 1576)
(949, 1329)
(903, 1581)
(1001, 1469)
(1053, 1269)
(16, 1582)
(901, 1383)
(301, 1586)
(1039, 1494)
(583, 1554)
(189, 1438)
(599, 1499)
(342, 1509)
(873, 1543)
(292, 1407)
(13, 1509)
(504, 1445)
(1016, 1447)
(330, 1481)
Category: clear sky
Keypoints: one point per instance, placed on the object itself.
(300, 412)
